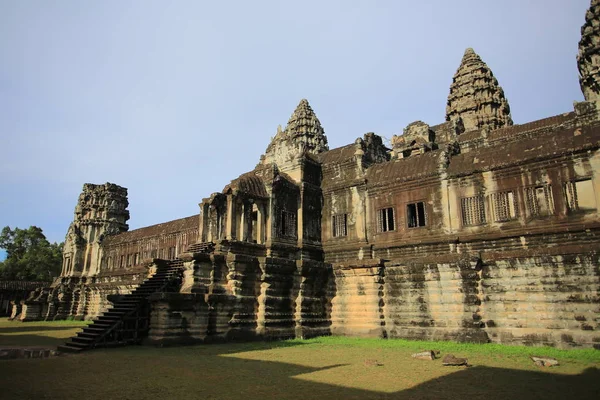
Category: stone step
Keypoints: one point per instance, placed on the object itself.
(84, 340)
(108, 319)
(81, 346)
(67, 348)
(124, 307)
(97, 330)
(91, 335)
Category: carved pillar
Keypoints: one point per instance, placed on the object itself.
(205, 217)
(260, 220)
(300, 219)
(229, 227)
(269, 221)
(247, 225)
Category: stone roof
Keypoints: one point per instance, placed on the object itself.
(588, 58)
(528, 149)
(514, 130)
(165, 228)
(338, 155)
(476, 97)
(249, 184)
(405, 169)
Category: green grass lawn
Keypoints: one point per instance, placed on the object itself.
(329, 368)
(38, 333)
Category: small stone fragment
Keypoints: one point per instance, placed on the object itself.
(545, 361)
(425, 355)
(372, 363)
(450, 360)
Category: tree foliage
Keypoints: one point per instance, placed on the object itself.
(29, 255)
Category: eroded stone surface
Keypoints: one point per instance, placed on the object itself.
(475, 97)
(545, 361)
(303, 133)
(588, 58)
(451, 360)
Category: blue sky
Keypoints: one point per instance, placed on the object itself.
(174, 99)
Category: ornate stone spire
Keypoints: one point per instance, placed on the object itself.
(476, 97)
(303, 133)
(305, 128)
(588, 59)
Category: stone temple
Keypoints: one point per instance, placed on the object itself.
(474, 229)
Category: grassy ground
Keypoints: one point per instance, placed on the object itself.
(42, 334)
(331, 368)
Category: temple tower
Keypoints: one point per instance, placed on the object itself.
(303, 133)
(101, 210)
(475, 97)
(588, 59)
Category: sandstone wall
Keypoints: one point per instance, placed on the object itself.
(533, 296)
(241, 297)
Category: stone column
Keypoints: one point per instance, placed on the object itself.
(229, 234)
(260, 229)
(203, 233)
(247, 226)
(300, 221)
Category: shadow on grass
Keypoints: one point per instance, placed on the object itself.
(499, 383)
(225, 371)
(37, 328)
(31, 340)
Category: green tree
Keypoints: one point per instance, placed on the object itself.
(29, 255)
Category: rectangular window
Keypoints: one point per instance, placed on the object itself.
(136, 259)
(122, 262)
(539, 201)
(340, 225)
(288, 224)
(153, 254)
(580, 196)
(415, 214)
(473, 210)
(504, 206)
(385, 220)
(171, 253)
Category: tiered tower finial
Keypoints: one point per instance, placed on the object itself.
(101, 210)
(476, 97)
(588, 59)
(305, 128)
(303, 133)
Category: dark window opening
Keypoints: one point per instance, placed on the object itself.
(415, 214)
(386, 221)
(340, 225)
(288, 224)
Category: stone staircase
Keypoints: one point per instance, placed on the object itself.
(202, 247)
(127, 322)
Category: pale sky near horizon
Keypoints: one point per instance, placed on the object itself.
(174, 99)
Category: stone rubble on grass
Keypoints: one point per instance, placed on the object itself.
(372, 363)
(14, 353)
(425, 355)
(545, 361)
(450, 360)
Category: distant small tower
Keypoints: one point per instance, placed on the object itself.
(588, 59)
(303, 133)
(475, 97)
(101, 210)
